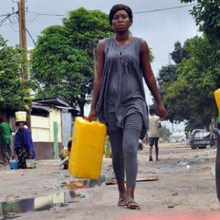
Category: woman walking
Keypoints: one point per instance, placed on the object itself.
(24, 147)
(119, 99)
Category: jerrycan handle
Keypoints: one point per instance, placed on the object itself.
(87, 119)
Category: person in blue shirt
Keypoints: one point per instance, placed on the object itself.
(24, 147)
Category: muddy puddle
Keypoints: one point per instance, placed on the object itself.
(85, 184)
(11, 210)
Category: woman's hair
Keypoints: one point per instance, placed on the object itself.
(119, 7)
(18, 122)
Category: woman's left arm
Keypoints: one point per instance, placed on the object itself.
(150, 79)
(29, 140)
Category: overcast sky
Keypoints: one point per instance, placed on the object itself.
(160, 29)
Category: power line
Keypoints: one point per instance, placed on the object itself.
(4, 15)
(6, 18)
(13, 25)
(32, 20)
(164, 9)
(31, 36)
(45, 14)
(15, 20)
(12, 22)
(62, 15)
(137, 12)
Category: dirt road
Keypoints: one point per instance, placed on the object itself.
(186, 185)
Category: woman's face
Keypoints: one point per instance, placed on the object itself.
(121, 21)
(21, 126)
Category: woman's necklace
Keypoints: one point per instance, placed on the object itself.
(125, 43)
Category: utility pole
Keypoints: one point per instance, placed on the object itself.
(23, 45)
(22, 35)
(169, 59)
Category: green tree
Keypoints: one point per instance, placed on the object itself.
(207, 17)
(192, 92)
(190, 96)
(167, 76)
(63, 60)
(57, 66)
(13, 93)
(179, 53)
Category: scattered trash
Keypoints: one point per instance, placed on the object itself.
(149, 179)
(182, 163)
(170, 206)
(148, 171)
(153, 178)
(64, 161)
(175, 194)
(204, 168)
(188, 167)
(83, 184)
(103, 180)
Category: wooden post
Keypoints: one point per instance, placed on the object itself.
(23, 44)
(22, 34)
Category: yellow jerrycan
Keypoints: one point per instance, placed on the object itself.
(87, 149)
(217, 98)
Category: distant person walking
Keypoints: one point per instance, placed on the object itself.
(5, 137)
(23, 145)
(154, 125)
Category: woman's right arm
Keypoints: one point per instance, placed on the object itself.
(97, 79)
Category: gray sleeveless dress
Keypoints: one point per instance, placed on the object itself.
(122, 90)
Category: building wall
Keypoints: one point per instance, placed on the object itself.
(43, 127)
(45, 150)
(43, 133)
(66, 127)
(40, 129)
(55, 116)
